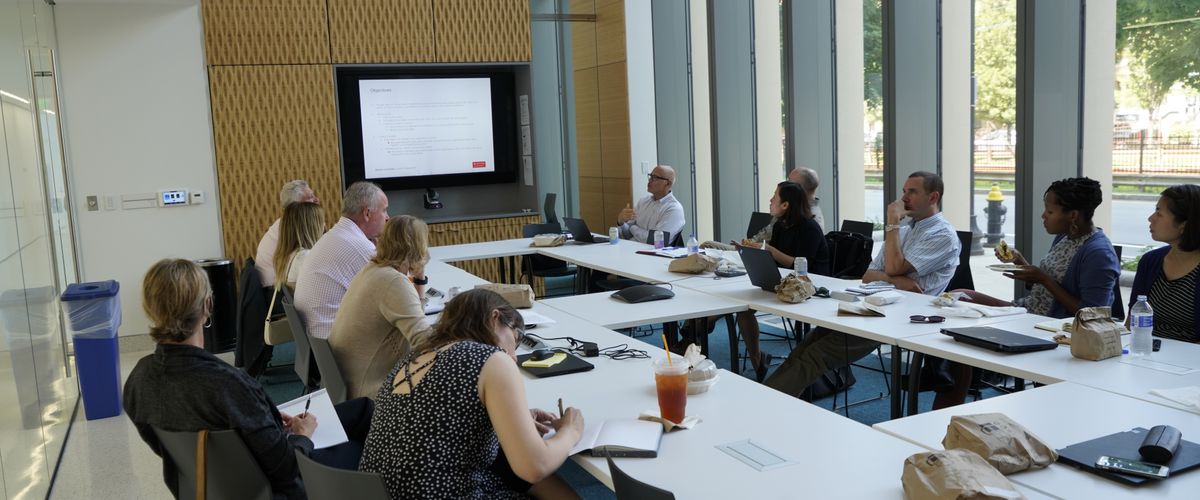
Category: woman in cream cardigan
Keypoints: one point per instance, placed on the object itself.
(382, 315)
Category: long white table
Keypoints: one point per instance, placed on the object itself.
(1057, 365)
(1061, 415)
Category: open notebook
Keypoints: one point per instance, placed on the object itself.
(621, 438)
(329, 427)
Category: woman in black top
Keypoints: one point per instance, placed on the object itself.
(182, 387)
(795, 234)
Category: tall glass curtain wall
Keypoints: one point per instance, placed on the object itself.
(36, 255)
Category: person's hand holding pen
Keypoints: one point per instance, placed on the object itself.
(303, 424)
(570, 422)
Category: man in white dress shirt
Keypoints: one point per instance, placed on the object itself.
(339, 255)
(920, 254)
(264, 259)
(658, 211)
(807, 179)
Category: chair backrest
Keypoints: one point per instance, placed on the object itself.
(303, 362)
(251, 352)
(323, 481)
(962, 276)
(230, 469)
(859, 227)
(331, 376)
(849, 254)
(1118, 305)
(548, 208)
(628, 488)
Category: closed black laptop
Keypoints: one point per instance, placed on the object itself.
(758, 220)
(760, 265)
(579, 230)
(998, 340)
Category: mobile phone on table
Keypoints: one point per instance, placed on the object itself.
(1157, 345)
(1135, 467)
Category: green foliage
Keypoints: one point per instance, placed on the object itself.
(1131, 264)
(996, 62)
(873, 56)
(1162, 41)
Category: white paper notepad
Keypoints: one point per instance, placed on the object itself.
(329, 427)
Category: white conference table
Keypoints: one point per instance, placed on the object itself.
(820, 442)
(621, 259)
(483, 250)
(1116, 374)
(1061, 415)
(890, 329)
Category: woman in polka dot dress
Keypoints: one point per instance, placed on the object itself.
(445, 411)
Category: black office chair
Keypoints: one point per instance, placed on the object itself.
(628, 488)
(323, 481)
(230, 470)
(251, 353)
(1118, 305)
(962, 275)
(331, 375)
(858, 227)
(548, 208)
(541, 265)
(932, 372)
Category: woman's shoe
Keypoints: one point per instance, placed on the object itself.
(764, 362)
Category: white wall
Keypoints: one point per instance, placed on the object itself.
(136, 111)
(956, 113)
(1100, 39)
(850, 185)
(639, 66)
(702, 120)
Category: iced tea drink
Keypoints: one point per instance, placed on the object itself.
(671, 380)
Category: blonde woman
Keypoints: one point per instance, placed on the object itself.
(382, 314)
(182, 387)
(300, 227)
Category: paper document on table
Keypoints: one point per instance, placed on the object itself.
(329, 427)
(754, 455)
(1187, 396)
(1146, 362)
(859, 309)
(535, 319)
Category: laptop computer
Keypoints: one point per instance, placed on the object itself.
(999, 340)
(579, 230)
(758, 220)
(760, 265)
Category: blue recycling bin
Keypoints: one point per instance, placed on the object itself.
(93, 316)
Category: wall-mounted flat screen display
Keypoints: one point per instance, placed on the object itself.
(411, 128)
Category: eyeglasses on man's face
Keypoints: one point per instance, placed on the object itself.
(658, 178)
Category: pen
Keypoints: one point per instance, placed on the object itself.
(560, 410)
(306, 404)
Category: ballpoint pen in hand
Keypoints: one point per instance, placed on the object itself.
(560, 408)
(306, 404)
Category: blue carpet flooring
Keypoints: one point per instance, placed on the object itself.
(871, 388)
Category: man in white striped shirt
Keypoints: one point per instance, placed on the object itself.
(339, 255)
(920, 256)
(296, 191)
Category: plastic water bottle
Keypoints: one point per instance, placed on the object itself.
(658, 240)
(800, 266)
(693, 244)
(1141, 321)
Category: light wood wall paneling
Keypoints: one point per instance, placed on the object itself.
(610, 31)
(583, 36)
(476, 231)
(381, 31)
(613, 95)
(482, 31)
(587, 124)
(591, 204)
(238, 32)
(616, 197)
(271, 124)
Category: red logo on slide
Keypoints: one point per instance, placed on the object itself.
(479, 164)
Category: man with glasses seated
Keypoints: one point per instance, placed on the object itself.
(920, 254)
(657, 211)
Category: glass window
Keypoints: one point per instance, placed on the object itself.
(873, 112)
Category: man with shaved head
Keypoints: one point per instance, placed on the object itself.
(658, 211)
(807, 179)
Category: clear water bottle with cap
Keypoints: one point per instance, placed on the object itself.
(693, 245)
(658, 239)
(1141, 322)
(800, 266)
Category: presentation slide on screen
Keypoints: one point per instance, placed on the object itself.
(426, 126)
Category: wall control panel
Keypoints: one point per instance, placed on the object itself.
(173, 198)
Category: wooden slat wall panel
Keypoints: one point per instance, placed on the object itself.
(616, 197)
(381, 31)
(610, 31)
(587, 124)
(271, 124)
(455, 233)
(591, 204)
(240, 32)
(614, 120)
(482, 31)
(583, 37)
